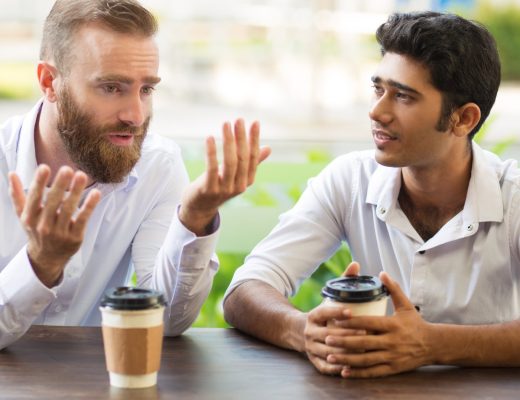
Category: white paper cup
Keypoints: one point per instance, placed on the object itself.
(132, 324)
(362, 295)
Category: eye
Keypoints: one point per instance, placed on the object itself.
(148, 90)
(111, 88)
(378, 90)
(403, 96)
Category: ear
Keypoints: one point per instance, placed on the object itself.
(47, 78)
(464, 119)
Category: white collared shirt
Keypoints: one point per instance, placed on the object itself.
(135, 223)
(468, 273)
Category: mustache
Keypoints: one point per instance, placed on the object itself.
(121, 127)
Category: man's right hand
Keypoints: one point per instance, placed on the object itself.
(55, 233)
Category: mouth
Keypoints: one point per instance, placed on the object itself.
(121, 138)
(381, 137)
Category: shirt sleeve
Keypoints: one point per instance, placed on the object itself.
(305, 236)
(23, 297)
(169, 258)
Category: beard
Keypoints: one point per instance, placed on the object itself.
(88, 146)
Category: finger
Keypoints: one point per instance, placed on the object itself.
(33, 205)
(254, 151)
(16, 192)
(319, 333)
(343, 324)
(212, 177)
(359, 360)
(55, 196)
(323, 313)
(321, 350)
(265, 151)
(70, 204)
(399, 299)
(78, 225)
(230, 159)
(353, 269)
(370, 323)
(241, 176)
(371, 372)
(356, 343)
(324, 367)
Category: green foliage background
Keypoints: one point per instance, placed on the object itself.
(504, 23)
(277, 183)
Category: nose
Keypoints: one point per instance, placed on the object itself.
(134, 111)
(381, 111)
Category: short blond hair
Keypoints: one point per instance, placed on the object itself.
(68, 16)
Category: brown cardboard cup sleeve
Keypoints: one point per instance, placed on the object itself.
(133, 351)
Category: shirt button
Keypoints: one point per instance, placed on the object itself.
(58, 308)
(469, 228)
(422, 251)
(382, 210)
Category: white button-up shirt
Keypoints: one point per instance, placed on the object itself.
(468, 273)
(135, 223)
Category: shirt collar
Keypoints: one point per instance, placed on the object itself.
(383, 187)
(26, 156)
(483, 200)
(25, 153)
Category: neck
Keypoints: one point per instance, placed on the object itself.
(48, 145)
(430, 197)
(442, 187)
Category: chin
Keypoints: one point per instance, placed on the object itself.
(387, 160)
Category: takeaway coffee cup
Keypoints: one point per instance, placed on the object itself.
(363, 295)
(132, 324)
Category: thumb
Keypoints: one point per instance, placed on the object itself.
(353, 269)
(401, 302)
(264, 153)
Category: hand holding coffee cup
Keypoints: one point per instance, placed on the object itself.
(132, 324)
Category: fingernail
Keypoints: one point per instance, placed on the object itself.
(331, 359)
(345, 372)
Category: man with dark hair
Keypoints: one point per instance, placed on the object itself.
(433, 214)
(92, 197)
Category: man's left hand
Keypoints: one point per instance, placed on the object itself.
(393, 344)
(204, 196)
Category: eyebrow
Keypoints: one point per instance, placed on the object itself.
(124, 79)
(395, 84)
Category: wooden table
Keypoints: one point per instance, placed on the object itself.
(68, 363)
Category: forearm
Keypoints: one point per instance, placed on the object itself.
(478, 346)
(177, 263)
(260, 310)
(22, 298)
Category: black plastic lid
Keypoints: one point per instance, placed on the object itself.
(130, 298)
(354, 289)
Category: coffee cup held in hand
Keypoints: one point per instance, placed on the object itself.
(362, 295)
(132, 323)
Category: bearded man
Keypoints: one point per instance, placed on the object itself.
(87, 197)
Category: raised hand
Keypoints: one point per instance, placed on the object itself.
(209, 191)
(55, 233)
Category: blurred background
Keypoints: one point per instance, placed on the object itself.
(300, 67)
